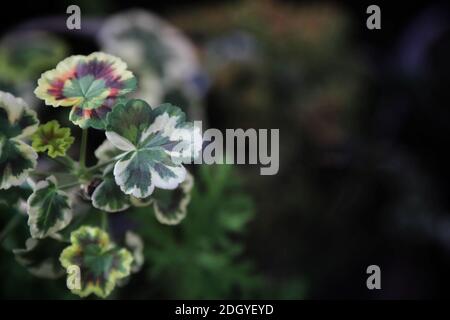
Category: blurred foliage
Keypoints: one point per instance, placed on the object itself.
(23, 56)
(201, 258)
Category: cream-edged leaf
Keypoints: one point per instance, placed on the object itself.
(49, 209)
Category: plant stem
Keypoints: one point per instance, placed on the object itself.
(69, 160)
(69, 185)
(104, 221)
(13, 222)
(84, 137)
(62, 162)
(56, 173)
(100, 165)
(39, 173)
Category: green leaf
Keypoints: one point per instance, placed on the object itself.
(155, 142)
(101, 263)
(49, 209)
(107, 195)
(91, 85)
(40, 257)
(171, 205)
(53, 139)
(17, 159)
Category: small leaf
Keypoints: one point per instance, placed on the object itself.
(40, 257)
(171, 205)
(53, 139)
(101, 263)
(49, 209)
(17, 159)
(107, 195)
(154, 141)
(91, 85)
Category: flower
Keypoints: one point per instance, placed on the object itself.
(101, 263)
(17, 159)
(91, 85)
(52, 138)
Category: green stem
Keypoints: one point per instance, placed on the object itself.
(104, 221)
(69, 160)
(39, 173)
(62, 162)
(46, 174)
(69, 185)
(84, 137)
(13, 222)
(100, 165)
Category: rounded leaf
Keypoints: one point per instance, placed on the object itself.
(89, 84)
(101, 263)
(107, 195)
(154, 141)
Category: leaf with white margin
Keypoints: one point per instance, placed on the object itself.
(17, 120)
(91, 85)
(101, 262)
(17, 159)
(41, 257)
(49, 209)
(171, 206)
(155, 142)
(107, 195)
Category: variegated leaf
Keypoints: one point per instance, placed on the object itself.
(155, 142)
(49, 209)
(107, 195)
(171, 205)
(91, 85)
(17, 159)
(101, 263)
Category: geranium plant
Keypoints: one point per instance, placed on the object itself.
(140, 163)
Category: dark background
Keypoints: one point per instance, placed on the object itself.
(378, 196)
